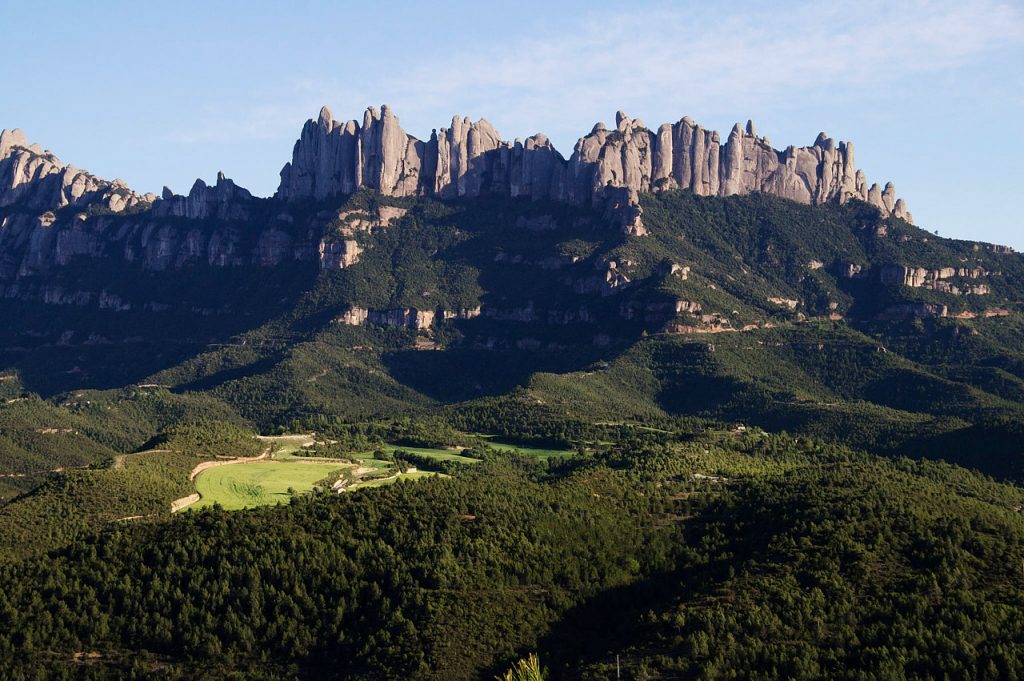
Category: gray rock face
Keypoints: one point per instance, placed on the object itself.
(337, 254)
(223, 201)
(936, 279)
(338, 158)
(38, 180)
(274, 247)
(469, 159)
(410, 318)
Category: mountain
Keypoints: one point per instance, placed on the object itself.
(52, 212)
(668, 402)
(474, 246)
(606, 166)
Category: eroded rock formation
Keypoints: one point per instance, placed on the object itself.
(936, 279)
(608, 168)
(407, 317)
(37, 179)
(223, 201)
(336, 254)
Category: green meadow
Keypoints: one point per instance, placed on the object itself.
(258, 484)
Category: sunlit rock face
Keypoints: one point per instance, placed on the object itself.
(469, 159)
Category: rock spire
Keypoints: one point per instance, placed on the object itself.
(469, 158)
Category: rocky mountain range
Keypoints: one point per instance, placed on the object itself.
(70, 238)
(608, 169)
(667, 270)
(33, 178)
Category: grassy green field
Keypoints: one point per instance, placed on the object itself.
(529, 451)
(258, 484)
(267, 482)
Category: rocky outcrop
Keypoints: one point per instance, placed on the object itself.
(914, 310)
(610, 279)
(658, 312)
(608, 168)
(336, 254)
(223, 201)
(409, 318)
(935, 279)
(348, 222)
(35, 179)
(339, 158)
(785, 302)
(704, 323)
(464, 313)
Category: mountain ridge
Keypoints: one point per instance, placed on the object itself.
(469, 159)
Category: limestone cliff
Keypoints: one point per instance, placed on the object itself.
(37, 179)
(606, 168)
(55, 219)
(223, 201)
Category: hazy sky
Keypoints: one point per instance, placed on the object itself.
(931, 93)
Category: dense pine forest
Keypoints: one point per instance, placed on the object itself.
(721, 555)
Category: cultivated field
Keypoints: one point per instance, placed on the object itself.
(259, 484)
(248, 484)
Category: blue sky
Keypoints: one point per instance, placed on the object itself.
(156, 93)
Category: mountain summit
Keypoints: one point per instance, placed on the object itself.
(607, 166)
(470, 158)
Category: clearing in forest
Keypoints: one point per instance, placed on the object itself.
(259, 484)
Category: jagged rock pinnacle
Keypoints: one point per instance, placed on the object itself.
(470, 158)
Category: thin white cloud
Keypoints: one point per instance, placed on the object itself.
(678, 56)
(657, 61)
(669, 54)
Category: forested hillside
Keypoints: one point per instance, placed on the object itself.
(715, 556)
(760, 440)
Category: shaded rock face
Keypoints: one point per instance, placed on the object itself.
(274, 247)
(52, 213)
(912, 310)
(336, 254)
(607, 167)
(223, 201)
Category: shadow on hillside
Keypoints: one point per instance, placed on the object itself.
(463, 374)
(107, 353)
(49, 371)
